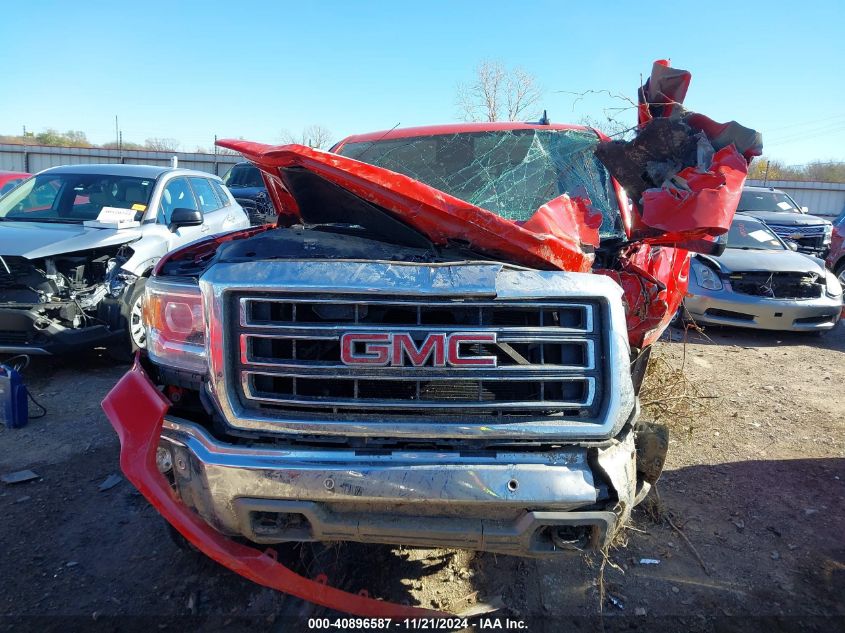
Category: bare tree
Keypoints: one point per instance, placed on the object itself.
(162, 144)
(498, 93)
(315, 136)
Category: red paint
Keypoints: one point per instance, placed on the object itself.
(206, 247)
(704, 211)
(7, 176)
(836, 256)
(654, 281)
(136, 410)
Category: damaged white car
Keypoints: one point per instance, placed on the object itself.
(78, 242)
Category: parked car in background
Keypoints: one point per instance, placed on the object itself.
(11, 179)
(836, 256)
(760, 282)
(77, 244)
(246, 184)
(782, 214)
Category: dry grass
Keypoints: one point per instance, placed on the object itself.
(669, 396)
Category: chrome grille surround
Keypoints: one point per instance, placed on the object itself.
(230, 292)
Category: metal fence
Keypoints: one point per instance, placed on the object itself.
(825, 199)
(34, 158)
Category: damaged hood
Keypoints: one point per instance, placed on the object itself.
(316, 187)
(741, 260)
(45, 239)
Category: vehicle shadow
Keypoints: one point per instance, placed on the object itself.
(726, 335)
(768, 533)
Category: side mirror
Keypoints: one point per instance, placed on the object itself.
(184, 217)
(793, 246)
(805, 209)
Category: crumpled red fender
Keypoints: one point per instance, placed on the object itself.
(136, 410)
(707, 209)
(654, 280)
(441, 217)
(571, 220)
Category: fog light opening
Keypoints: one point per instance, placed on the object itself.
(164, 461)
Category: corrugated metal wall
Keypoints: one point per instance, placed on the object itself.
(825, 199)
(34, 158)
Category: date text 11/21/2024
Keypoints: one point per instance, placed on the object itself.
(431, 624)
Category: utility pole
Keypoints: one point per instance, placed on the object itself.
(766, 174)
(116, 133)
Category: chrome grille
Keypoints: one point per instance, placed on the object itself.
(812, 230)
(806, 236)
(547, 357)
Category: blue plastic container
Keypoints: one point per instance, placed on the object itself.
(14, 407)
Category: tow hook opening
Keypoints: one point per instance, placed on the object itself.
(573, 538)
(281, 526)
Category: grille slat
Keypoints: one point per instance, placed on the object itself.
(290, 360)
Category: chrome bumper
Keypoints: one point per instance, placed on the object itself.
(519, 503)
(764, 314)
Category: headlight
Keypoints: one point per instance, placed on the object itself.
(828, 232)
(832, 287)
(705, 276)
(175, 325)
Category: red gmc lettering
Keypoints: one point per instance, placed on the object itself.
(376, 349)
(395, 349)
(434, 343)
(455, 358)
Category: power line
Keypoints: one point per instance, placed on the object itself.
(802, 123)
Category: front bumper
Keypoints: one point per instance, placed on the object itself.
(507, 502)
(136, 410)
(434, 499)
(26, 332)
(725, 307)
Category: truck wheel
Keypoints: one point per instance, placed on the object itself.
(131, 319)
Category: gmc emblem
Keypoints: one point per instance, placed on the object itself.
(380, 349)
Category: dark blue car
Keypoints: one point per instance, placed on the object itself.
(247, 186)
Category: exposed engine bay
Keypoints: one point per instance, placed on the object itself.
(69, 291)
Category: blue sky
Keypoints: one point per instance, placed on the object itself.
(189, 70)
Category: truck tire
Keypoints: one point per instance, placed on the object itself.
(131, 321)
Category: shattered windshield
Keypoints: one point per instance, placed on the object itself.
(510, 172)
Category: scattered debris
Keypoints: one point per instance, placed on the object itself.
(740, 524)
(649, 561)
(72, 563)
(110, 482)
(22, 499)
(640, 611)
(775, 555)
(192, 603)
(616, 601)
(480, 608)
(19, 477)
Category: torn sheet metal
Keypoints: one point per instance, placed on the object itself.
(136, 410)
(572, 223)
(683, 171)
(654, 280)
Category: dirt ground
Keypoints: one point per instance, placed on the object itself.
(749, 521)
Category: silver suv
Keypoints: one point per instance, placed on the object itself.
(78, 242)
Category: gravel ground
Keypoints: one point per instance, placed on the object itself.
(748, 521)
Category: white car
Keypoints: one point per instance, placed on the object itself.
(78, 242)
